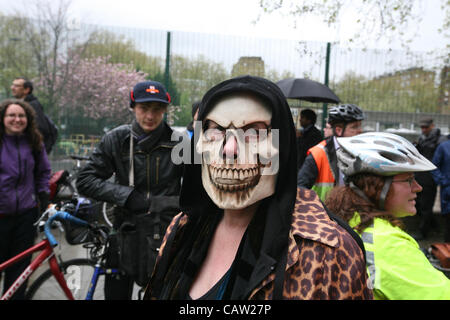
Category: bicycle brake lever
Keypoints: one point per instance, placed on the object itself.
(50, 210)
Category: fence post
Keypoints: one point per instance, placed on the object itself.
(167, 69)
(327, 72)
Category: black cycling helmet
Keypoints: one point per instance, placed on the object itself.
(345, 113)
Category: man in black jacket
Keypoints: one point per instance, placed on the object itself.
(147, 182)
(426, 145)
(320, 171)
(309, 137)
(22, 88)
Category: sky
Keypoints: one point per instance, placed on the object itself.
(210, 27)
(231, 17)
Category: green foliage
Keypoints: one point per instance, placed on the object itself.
(412, 90)
(16, 58)
(121, 50)
(183, 116)
(194, 76)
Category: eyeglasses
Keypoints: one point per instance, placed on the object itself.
(410, 180)
(12, 116)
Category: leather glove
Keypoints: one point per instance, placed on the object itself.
(43, 201)
(137, 202)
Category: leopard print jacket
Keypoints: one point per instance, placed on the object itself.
(324, 261)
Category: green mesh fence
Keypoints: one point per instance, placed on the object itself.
(395, 88)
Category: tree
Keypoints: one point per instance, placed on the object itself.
(15, 59)
(194, 76)
(47, 38)
(410, 90)
(99, 89)
(390, 20)
(119, 49)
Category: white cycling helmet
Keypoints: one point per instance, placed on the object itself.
(380, 153)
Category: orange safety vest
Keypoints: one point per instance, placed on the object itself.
(325, 179)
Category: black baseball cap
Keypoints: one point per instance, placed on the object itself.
(149, 91)
(426, 122)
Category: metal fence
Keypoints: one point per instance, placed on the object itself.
(395, 88)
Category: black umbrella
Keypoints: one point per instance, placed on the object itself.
(308, 90)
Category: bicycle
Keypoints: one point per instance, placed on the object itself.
(62, 182)
(435, 262)
(62, 187)
(72, 279)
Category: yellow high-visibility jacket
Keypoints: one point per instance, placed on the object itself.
(397, 268)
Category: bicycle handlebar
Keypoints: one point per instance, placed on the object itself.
(60, 215)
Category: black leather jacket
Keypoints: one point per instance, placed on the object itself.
(155, 175)
(40, 120)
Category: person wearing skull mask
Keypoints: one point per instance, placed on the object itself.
(245, 231)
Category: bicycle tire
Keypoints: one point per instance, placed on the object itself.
(78, 274)
(108, 213)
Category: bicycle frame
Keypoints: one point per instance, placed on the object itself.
(46, 246)
(98, 271)
(47, 253)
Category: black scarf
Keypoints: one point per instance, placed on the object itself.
(266, 239)
(147, 140)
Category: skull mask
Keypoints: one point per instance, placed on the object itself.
(239, 152)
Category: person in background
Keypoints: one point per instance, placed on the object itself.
(427, 143)
(190, 126)
(22, 88)
(328, 131)
(24, 184)
(320, 171)
(309, 137)
(379, 190)
(147, 182)
(441, 159)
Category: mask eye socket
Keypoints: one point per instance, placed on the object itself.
(214, 134)
(212, 131)
(256, 135)
(256, 132)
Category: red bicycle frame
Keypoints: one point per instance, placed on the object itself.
(47, 253)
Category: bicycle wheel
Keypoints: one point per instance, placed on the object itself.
(78, 274)
(108, 213)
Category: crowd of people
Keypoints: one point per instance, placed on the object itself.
(266, 213)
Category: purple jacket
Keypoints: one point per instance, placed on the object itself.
(19, 181)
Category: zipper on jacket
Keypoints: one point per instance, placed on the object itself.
(19, 177)
(148, 176)
(157, 169)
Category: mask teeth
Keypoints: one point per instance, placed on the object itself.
(249, 178)
(234, 173)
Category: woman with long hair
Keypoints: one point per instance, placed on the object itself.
(245, 231)
(24, 184)
(379, 190)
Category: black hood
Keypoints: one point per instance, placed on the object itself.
(267, 235)
(194, 198)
